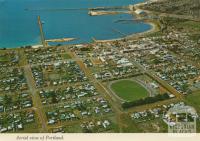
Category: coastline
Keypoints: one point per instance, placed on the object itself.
(153, 28)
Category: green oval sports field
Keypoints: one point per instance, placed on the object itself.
(129, 90)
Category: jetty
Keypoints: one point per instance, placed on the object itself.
(118, 31)
(77, 9)
(41, 32)
(61, 40)
(98, 13)
(46, 41)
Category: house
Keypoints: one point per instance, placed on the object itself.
(154, 85)
(3, 130)
(106, 123)
(140, 12)
(20, 126)
(51, 121)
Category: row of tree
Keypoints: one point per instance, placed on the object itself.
(144, 101)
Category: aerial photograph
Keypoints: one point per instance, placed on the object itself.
(99, 66)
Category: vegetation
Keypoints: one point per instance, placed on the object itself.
(66, 56)
(194, 100)
(4, 59)
(153, 125)
(182, 7)
(7, 100)
(129, 90)
(144, 101)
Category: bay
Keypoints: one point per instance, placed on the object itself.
(19, 27)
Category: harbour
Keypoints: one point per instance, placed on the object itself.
(19, 27)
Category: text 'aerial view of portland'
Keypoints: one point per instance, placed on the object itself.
(99, 66)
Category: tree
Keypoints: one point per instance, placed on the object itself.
(7, 100)
(144, 101)
(53, 98)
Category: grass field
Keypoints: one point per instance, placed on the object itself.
(129, 90)
(194, 100)
(4, 59)
(66, 56)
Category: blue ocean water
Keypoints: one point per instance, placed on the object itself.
(19, 27)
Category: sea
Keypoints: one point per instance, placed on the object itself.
(62, 19)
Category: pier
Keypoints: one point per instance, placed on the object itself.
(118, 31)
(98, 13)
(61, 40)
(45, 42)
(133, 20)
(41, 32)
(76, 9)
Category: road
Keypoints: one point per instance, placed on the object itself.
(36, 99)
(100, 88)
